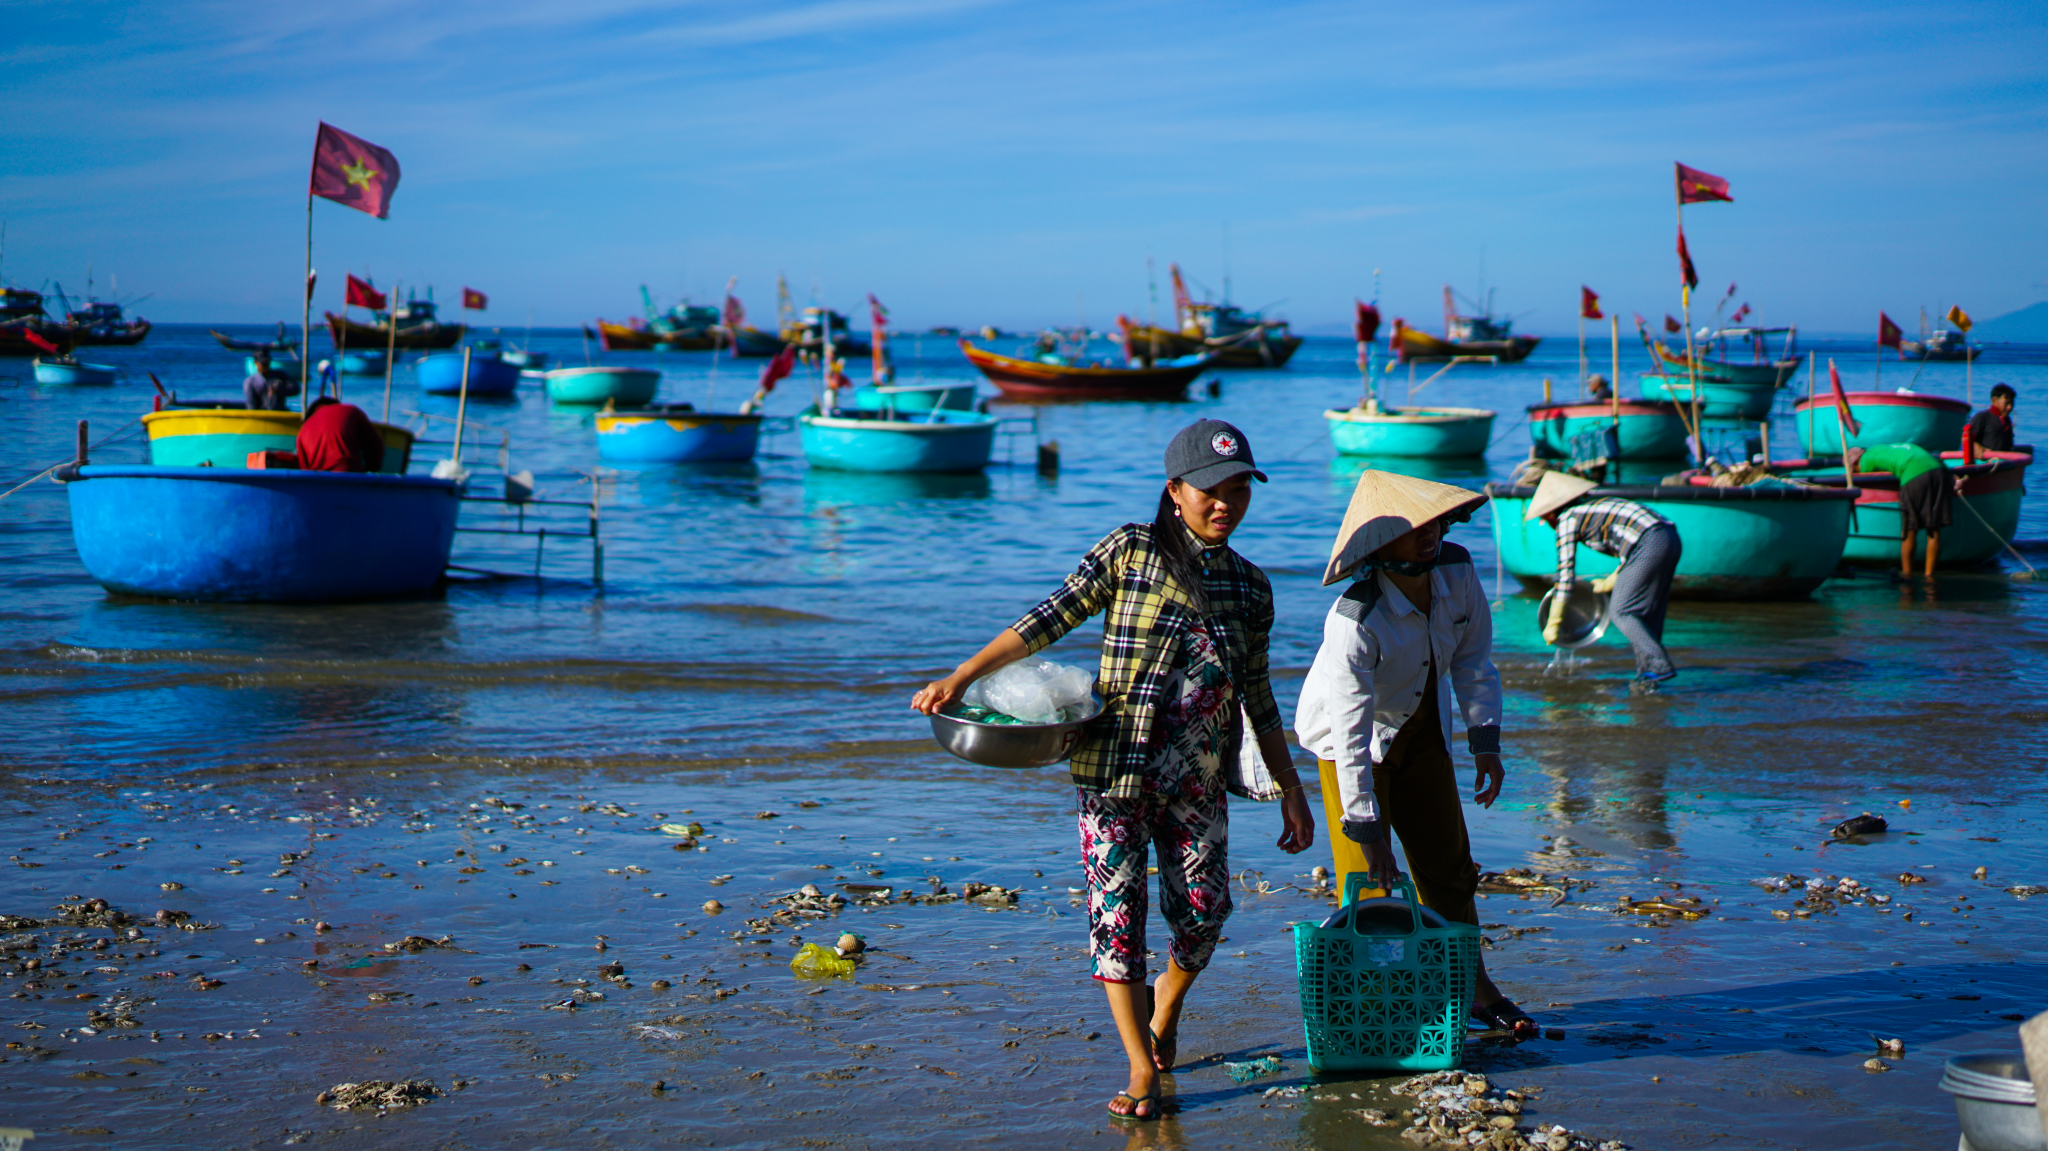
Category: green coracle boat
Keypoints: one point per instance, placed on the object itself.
(1644, 430)
(1933, 422)
(1985, 518)
(1764, 542)
(1430, 433)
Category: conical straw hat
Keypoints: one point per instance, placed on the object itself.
(1557, 490)
(1386, 506)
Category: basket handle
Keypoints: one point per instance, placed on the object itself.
(1356, 883)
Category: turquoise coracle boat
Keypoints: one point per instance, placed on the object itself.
(914, 397)
(621, 387)
(1985, 518)
(363, 363)
(1423, 433)
(942, 440)
(1763, 542)
(1933, 422)
(1719, 399)
(1645, 430)
(677, 434)
(225, 437)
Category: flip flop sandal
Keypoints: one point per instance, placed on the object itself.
(1137, 1101)
(1503, 1015)
(1163, 1050)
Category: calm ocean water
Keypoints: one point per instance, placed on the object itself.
(759, 631)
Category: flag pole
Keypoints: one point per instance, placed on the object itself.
(391, 346)
(306, 316)
(1809, 400)
(1582, 343)
(461, 405)
(1614, 385)
(1692, 365)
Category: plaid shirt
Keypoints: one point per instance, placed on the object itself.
(1610, 525)
(1148, 617)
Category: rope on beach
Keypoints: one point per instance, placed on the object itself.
(108, 439)
(2032, 573)
(1511, 431)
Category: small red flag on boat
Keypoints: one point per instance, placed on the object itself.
(362, 295)
(877, 312)
(1672, 326)
(474, 300)
(1366, 323)
(1589, 304)
(1695, 186)
(1888, 334)
(33, 338)
(353, 172)
(1739, 313)
(735, 312)
(1842, 401)
(779, 367)
(1685, 268)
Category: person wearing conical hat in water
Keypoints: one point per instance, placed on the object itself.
(1185, 685)
(1412, 631)
(1640, 588)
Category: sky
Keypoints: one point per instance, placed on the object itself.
(1018, 163)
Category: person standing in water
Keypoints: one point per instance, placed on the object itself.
(1927, 492)
(1183, 672)
(1648, 548)
(1375, 710)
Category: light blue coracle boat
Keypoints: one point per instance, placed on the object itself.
(621, 387)
(1424, 433)
(1719, 399)
(942, 440)
(677, 434)
(1645, 430)
(1933, 422)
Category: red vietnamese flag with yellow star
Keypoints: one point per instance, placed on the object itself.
(353, 172)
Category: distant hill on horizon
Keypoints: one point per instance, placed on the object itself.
(2029, 325)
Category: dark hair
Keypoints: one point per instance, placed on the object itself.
(1178, 552)
(320, 402)
(2005, 390)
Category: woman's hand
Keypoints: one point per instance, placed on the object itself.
(1380, 868)
(1486, 784)
(1297, 828)
(940, 694)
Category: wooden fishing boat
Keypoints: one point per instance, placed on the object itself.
(1977, 532)
(1644, 430)
(1940, 347)
(1763, 542)
(1933, 422)
(418, 327)
(101, 323)
(1715, 366)
(25, 330)
(1423, 348)
(677, 434)
(268, 536)
(232, 344)
(942, 440)
(441, 375)
(621, 387)
(1021, 379)
(1434, 432)
(755, 343)
(1719, 399)
(626, 338)
(225, 437)
(1264, 346)
(71, 370)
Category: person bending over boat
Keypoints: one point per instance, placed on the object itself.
(1990, 429)
(1183, 672)
(1926, 494)
(1640, 589)
(338, 437)
(1375, 710)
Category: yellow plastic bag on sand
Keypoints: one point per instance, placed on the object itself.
(813, 962)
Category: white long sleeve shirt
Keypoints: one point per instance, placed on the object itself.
(1368, 678)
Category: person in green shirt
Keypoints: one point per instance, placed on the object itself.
(1926, 494)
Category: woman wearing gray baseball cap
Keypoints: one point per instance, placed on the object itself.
(1183, 678)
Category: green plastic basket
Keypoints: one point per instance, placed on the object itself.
(1374, 1002)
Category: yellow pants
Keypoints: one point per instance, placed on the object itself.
(1346, 856)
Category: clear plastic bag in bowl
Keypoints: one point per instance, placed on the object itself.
(1034, 690)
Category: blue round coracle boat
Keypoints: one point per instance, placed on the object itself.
(1719, 399)
(941, 440)
(1763, 542)
(1422, 433)
(913, 397)
(261, 536)
(1644, 430)
(441, 375)
(677, 434)
(1933, 422)
(65, 370)
(363, 363)
(624, 387)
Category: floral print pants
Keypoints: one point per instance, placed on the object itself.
(1192, 835)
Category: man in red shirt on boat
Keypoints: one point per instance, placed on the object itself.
(338, 437)
(1990, 429)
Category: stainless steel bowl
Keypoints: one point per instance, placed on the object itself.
(1585, 616)
(1012, 745)
(1994, 1102)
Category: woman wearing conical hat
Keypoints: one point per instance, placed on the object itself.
(1411, 632)
(1648, 548)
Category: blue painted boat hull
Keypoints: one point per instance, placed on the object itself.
(1718, 400)
(1933, 422)
(1423, 433)
(677, 438)
(949, 443)
(81, 373)
(261, 536)
(1755, 543)
(1644, 431)
(362, 363)
(441, 375)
